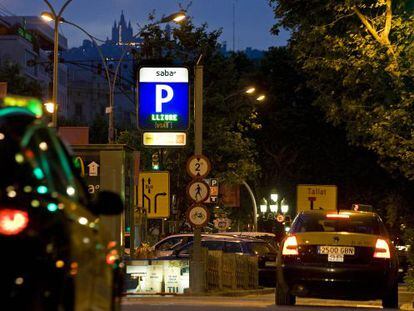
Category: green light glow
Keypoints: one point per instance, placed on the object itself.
(32, 104)
(38, 173)
(164, 117)
(19, 158)
(35, 203)
(52, 207)
(42, 189)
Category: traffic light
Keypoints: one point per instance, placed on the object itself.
(155, 161)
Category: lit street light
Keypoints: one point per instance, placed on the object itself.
(263, 206)
(50, 107)
(284, 207)
(261, 98)
(47, 16)
(250, 90)
(56, 17)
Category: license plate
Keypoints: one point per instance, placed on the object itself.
(336, 250)
(335, 258)
(270, 264)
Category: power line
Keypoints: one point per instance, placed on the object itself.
(6, 10)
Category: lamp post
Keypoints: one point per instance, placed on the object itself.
(47, 16)
(56, 18)
(284, 207)
(51, 16)
(273, 202)
(250, 90)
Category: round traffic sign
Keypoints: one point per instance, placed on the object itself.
(198, 166)
(198, 191)
(280, 218)
(198, 215)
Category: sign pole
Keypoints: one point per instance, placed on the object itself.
(198, 275)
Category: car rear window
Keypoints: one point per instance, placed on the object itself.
(11, 132)
(259, 248)
(366, 224)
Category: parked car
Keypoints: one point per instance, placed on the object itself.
(55, 254)
(265, 252)
(166, 246)
(266, 236)
(337, 255)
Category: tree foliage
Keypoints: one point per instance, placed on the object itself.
(359, 58)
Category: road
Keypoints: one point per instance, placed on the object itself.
(249, 303)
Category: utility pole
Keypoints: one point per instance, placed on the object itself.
(234, 25)
(196, 267)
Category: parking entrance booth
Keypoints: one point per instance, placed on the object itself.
(115, 168)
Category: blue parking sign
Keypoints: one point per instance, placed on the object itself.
(163, 99)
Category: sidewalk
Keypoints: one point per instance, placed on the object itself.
(223, 293)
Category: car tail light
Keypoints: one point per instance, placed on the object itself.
(382, 249)
(112, 257)
(290, 247)
(13, 221)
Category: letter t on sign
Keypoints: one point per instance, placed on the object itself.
(311, 200)
(159, 99)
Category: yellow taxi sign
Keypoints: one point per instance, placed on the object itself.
(154, 193)
(316, 197)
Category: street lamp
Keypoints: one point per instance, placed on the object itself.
(56, 17)
(47, 16)
(250, 90)
(273, 202)
(175, 17)
(284, 207)
(263, 206)
(261, 98)
(50, 107)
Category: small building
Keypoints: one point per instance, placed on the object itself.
(28, 42)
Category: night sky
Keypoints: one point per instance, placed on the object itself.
(254, 18)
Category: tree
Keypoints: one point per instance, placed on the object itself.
(359, 58)
(18, 84)
(297, 146)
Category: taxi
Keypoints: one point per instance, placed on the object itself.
(337, 255)
(55, 254)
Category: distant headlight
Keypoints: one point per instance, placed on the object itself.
(402, 248)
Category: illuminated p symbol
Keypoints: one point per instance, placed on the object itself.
(159, 99)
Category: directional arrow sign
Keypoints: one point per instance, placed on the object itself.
(198, 166)
(198, 191)
(154, 193)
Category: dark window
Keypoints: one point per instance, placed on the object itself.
(259, 248)
(169, 244)
(367, 224)
(233, 247)
(213, 245)
(78, 109)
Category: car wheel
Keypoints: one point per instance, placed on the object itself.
(282, 297)
(390, 300)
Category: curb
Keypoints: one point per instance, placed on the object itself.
(235, 293)
(229, 293)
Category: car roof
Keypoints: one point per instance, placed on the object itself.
(340, 212)
(249, 234)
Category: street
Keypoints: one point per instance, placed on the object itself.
(253, 302)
